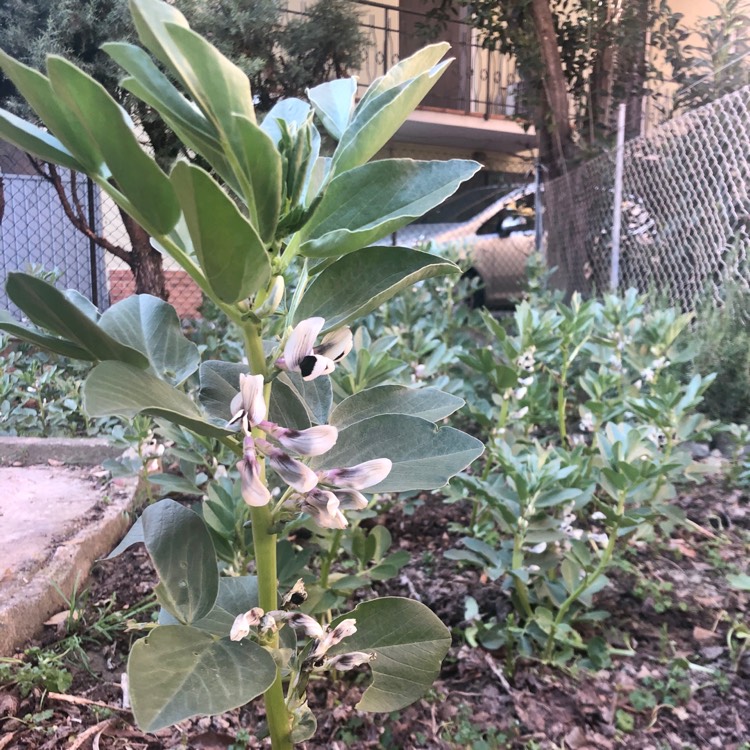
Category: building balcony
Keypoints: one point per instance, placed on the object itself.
(477, 104)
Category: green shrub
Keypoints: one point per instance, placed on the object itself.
(722, 338)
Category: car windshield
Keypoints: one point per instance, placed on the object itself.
(465, 206)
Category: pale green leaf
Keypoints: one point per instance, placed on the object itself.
(292, 111)
(409, 643)
(118, 389)
(260, 164)
(316, 395)
(739, 581)
(42, 340)
(136, 174)
(219, 384)
(218, 86)
(37, 91)
(424, 456)
(236, 595)
(134, 536)
(428, 403)
(369, 202)
(363, 280)
(151, 86)
(286, 407)
(422, 61)
(151, 326)
(378, 119)
(149, 18)
(182, 552)
(333, 102)
(35, 141)
(84, 304)
(178, 672)
(50, 309)
(228, 247)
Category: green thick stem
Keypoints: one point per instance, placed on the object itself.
(516, 564)
(561, 423)
(264, 542)
(279, 720)
(325, 566)
(587, 580)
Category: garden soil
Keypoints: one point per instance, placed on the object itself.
(684, 683)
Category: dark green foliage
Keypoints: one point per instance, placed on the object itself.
(280, 58)
(720, 63)
(722, 336)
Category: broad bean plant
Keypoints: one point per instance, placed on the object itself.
(588, 434)
(279, 236)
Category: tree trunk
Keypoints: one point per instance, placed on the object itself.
(145, 262)
(636, 59)
(555, 88)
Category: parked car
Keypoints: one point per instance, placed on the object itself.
(492, 235)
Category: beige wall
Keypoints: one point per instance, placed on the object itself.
(693, 10)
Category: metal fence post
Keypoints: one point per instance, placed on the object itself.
(614, 271)
(93, 265)
(538, 210)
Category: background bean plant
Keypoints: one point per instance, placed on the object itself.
(589, 432)
(278, 233)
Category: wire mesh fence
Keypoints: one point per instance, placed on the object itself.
(685, 210)
(58, 224)
(36, 236)
(685, 222)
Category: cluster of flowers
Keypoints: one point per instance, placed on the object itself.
(324, 494)
(324, 639)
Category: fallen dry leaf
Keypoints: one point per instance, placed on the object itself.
(701, 634)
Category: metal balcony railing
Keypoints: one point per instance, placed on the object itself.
(479, 82)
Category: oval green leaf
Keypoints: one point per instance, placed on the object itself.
(260, 166)
(316, 395)
(178, 672)
(428, 403)
(228, 247)
(363, 280)
(118, 389)
(422, 61)
(236, 595)
(42, 340)
(424, 456)
(333, 102)
(49, 308)
(376, 120)
(37, 91)
(365, 204)
(35, 141)
(181, 549)
(137, 175)
(219, 384)
(409, 643)
(151, 326)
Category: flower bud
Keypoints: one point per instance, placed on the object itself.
(313, 441)
(360, 476)
(302, 478)
(273, 300)
(345, 662)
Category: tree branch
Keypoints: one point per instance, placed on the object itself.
(76, 215)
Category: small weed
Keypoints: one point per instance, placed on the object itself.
(242, 740)
(37, 669)
(463, 733)
(671, 689)
(657, 593)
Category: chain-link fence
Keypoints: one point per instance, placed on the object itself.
(685, 209)
(60, 225)
(36, 236)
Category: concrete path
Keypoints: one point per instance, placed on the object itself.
(55, 521)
